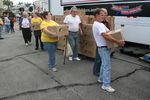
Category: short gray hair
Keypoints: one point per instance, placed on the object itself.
(73, 8)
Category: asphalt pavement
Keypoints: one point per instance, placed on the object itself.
(24, 75)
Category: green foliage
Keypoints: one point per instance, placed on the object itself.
(8, 3)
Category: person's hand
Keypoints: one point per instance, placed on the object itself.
(121, 43)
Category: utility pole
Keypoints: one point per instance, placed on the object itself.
(49, 4)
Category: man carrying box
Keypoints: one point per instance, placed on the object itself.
(102, 34)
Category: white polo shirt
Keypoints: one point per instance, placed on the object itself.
(73, 22)
(99, 28)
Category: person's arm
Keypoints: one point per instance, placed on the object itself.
(49, 33)
(108, 37)
(80, 28)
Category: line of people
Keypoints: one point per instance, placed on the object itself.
(49, 39)
(7, 22)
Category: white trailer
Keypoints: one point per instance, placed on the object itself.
(133, 16)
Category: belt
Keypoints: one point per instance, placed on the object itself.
(73, 32)
(102, 46)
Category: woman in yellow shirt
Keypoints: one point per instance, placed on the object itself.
(1, 25)
(35, 23)
(49, 39)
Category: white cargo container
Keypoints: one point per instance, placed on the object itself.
(132, 15)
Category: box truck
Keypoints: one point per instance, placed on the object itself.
(133, 16)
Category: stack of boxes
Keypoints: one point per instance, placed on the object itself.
(61, 43)
(87, 42)
(87, 45)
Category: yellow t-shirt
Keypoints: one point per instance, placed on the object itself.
(45, 37)
(1, 21)
(36, 20)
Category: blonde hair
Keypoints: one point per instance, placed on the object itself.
(104, 10)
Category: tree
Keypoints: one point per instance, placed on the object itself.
(8, 3)
(20, 3)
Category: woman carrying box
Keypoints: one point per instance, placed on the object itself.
(35, 23)
(49, 39)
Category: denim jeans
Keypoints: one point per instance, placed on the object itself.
(73, 39)
(7, 28)
(97, 64)
(50, 47)
(0, 31)
(105, 66)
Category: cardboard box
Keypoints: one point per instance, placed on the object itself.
(35, 26)
(87, 48)
(84, 19)
(117, 34)
(86, 28)
(87, 32)
(59, 19)
(61, 30)
(91, 19)
(61, 43)
(81, 12)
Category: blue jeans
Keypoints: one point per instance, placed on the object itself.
(51, 49)
(97, 64)
(7, 28)
(73, 39)
(0, 31)
(105, 66)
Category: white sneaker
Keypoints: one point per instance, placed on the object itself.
(70, 58)
(77, 58)
(99, 81)
(54, 69)
(26, 44)
(108, 88)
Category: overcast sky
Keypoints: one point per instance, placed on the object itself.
(17, 1)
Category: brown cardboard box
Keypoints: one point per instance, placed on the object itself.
(84, 19)
(117, 34)
(86, 28)
(35, 26)
(61, 30)
(87, 32)
(91, 19)
(59, 19)
(88, 48)
(81, 12)
(61, 43)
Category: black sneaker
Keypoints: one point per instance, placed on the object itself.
(1, 38)
(42, 49)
